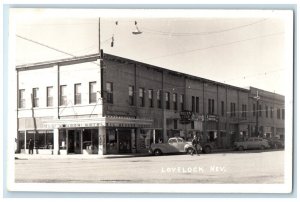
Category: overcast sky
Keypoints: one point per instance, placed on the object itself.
(241, 50)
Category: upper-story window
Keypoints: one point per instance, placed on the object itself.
(175, 124)
(35, 92)
(211, 106)
(109, 92)
(278, 113)
(92, 92)
(63, 95)
(158, 98)
(254, 110)
(142, 97)
(175, 101)
(193, 104)
(22, 98)
(49, 96)
(167, 100)
(182, 102)
(150, 97)
(244, 110)
(131, 95)
(222, 108)
(267, 111)
(232, 109)
(283, 114)
(77, 94)
(271, 112)
(197, 104)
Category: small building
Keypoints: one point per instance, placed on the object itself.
(114, 105)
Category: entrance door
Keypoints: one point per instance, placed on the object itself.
(74, 142)
(124, 141)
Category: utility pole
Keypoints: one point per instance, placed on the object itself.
(257, 99)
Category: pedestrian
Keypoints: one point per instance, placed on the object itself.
(195, 144)
(31, 145)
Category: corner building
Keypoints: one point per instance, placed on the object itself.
(115, 105)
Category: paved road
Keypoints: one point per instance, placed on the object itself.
(236, 167)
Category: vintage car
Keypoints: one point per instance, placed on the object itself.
(174, 145)
(252, 143)
(276, 143)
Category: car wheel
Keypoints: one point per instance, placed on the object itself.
(207, 149)
(241, 148)
(262, 147)
(157, 152)
(190, 150)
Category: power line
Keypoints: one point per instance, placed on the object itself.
(216, 46)
(200, 33)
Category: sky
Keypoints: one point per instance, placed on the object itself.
(237, 48)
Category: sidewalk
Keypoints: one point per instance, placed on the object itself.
(77, 156)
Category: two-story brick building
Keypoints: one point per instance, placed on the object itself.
(85, 105)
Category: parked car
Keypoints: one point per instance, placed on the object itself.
(275, 143)
(174, 145)
(252, 143)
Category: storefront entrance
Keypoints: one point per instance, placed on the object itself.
(124, 141)
(74, 142)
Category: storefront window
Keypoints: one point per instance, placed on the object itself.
(44, 140)
(62, 139)
(111, 141)
(90, 140)
(29, 134)
(21, 140)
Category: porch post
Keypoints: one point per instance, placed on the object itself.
(102, 140)
(25, 142)
(55, 141)
(133, 143)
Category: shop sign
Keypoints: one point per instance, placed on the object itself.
(211, 118)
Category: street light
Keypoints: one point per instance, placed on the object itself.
(136, 31)
(257, 99)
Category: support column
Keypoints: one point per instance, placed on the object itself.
(133, 143)
(138, 135)
(102, 141)
(25, 142)
(154, 136)
(55, 141)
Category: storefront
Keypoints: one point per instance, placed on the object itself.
(107, 135)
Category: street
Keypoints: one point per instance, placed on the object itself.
(232, 167)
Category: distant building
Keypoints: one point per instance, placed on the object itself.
(83, 106)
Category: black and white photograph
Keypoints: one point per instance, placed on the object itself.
(146, 100)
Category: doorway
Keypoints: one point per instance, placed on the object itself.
(74, 142)
(124, 141)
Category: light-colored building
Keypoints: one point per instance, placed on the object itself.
(85, 105)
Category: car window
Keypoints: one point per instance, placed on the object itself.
(172, 141)
(180, 140)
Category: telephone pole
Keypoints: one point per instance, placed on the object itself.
(257, 99)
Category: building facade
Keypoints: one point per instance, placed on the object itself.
(109, 105)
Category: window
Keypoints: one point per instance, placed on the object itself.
(49, 96)
(260, 110)
(283, 114)
(92, 92)
(222, 108)
(22, 98)
(167, 100)
(141, 96)
(197, 104)
(175, 123)
(77, 94)
(175, 101)
(254, 110)
(182, 102)
(131, 95)
(192, 125)
(63, 95)
(35, 97)
(193, 103)
(150, 97)
(267, 111)
(278, 113)
(109, 91)
(211, 106)
(244, 110)
(232, 109)
(158, 97)
(271, 112)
